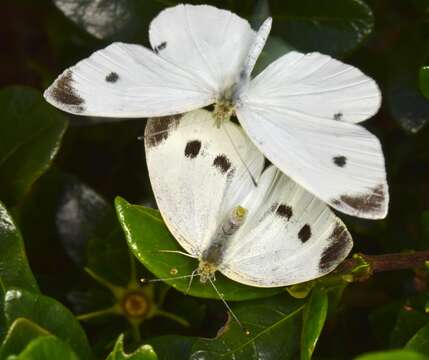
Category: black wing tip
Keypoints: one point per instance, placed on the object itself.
(370, 205)
(63, 94)
(339, 246)
(158, 129)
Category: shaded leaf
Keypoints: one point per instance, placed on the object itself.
(407, 104)
(30, 131)
(407, 323)
(424, 80)
(147, 234)
(48, 314)
(14, 267)
(334, 27)
(392, 355)
(420, 341)
(144, 352)
(274, 325)
(314, 319)
(20, 334)
(172, 347)
(48, 347)
(101, 18)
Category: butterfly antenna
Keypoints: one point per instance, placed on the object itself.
(241, 159)
(190, 281)
(178, 252)
(247, 332)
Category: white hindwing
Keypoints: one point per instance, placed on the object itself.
(301, 118)
(126, 80)
(290, 236)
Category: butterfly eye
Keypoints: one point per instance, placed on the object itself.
(239, 214)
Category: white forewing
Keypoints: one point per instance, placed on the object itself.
(289, 237)
(197, 174)
(289, 110)
(210, 42)
(125, 80)
(316, 85)
(340, 163)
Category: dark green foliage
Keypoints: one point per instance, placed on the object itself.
(71, 256)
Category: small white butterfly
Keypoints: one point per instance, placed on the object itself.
(273, 234)
(300, 111)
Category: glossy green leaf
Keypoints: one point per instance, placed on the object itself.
(314, 319)
(144, 352)
(392, 355)
(48, 314)
(407, 104)
(44, 348)
(408, 322)
(274, 327)
(420, 341)
(14, 267)
(334, 27)
(172, 347)
(424, 80)
(20, 334)
(147, 234)
(89, 229)
(30, 136)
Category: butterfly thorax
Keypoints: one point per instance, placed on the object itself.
(223, 110)
(212, 256)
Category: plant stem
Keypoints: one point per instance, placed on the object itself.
(379, 263)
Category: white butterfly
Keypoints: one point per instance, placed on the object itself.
(273, 234)
(300, 111)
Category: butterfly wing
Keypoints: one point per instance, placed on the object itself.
(125, 80)
(197, 173)
(205, 40)
(288, 112)
(289, 237)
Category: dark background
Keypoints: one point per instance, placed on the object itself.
(37, 42)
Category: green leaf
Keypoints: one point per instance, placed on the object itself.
(44, 348)
(407, 323)
(424, 80)
(392, 355)
(14, 267)
(144, 352)
(30, 135)
(420, 341)
(334, 27)
(147, 234)
(406, 102)
(48, 314)
(20, 334)
(172, 347)
(274, 325)
(314, 319)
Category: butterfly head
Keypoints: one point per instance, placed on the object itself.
(206, 270)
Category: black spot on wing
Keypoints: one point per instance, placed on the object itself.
(338, 116)
(160, 47)
(340, 161)
(305, 233)
(192, 148)
(158, 129)
(339, 242)
(222, 163)
(112, 77)
(284, 211)
(64, 93)
(371, 202)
